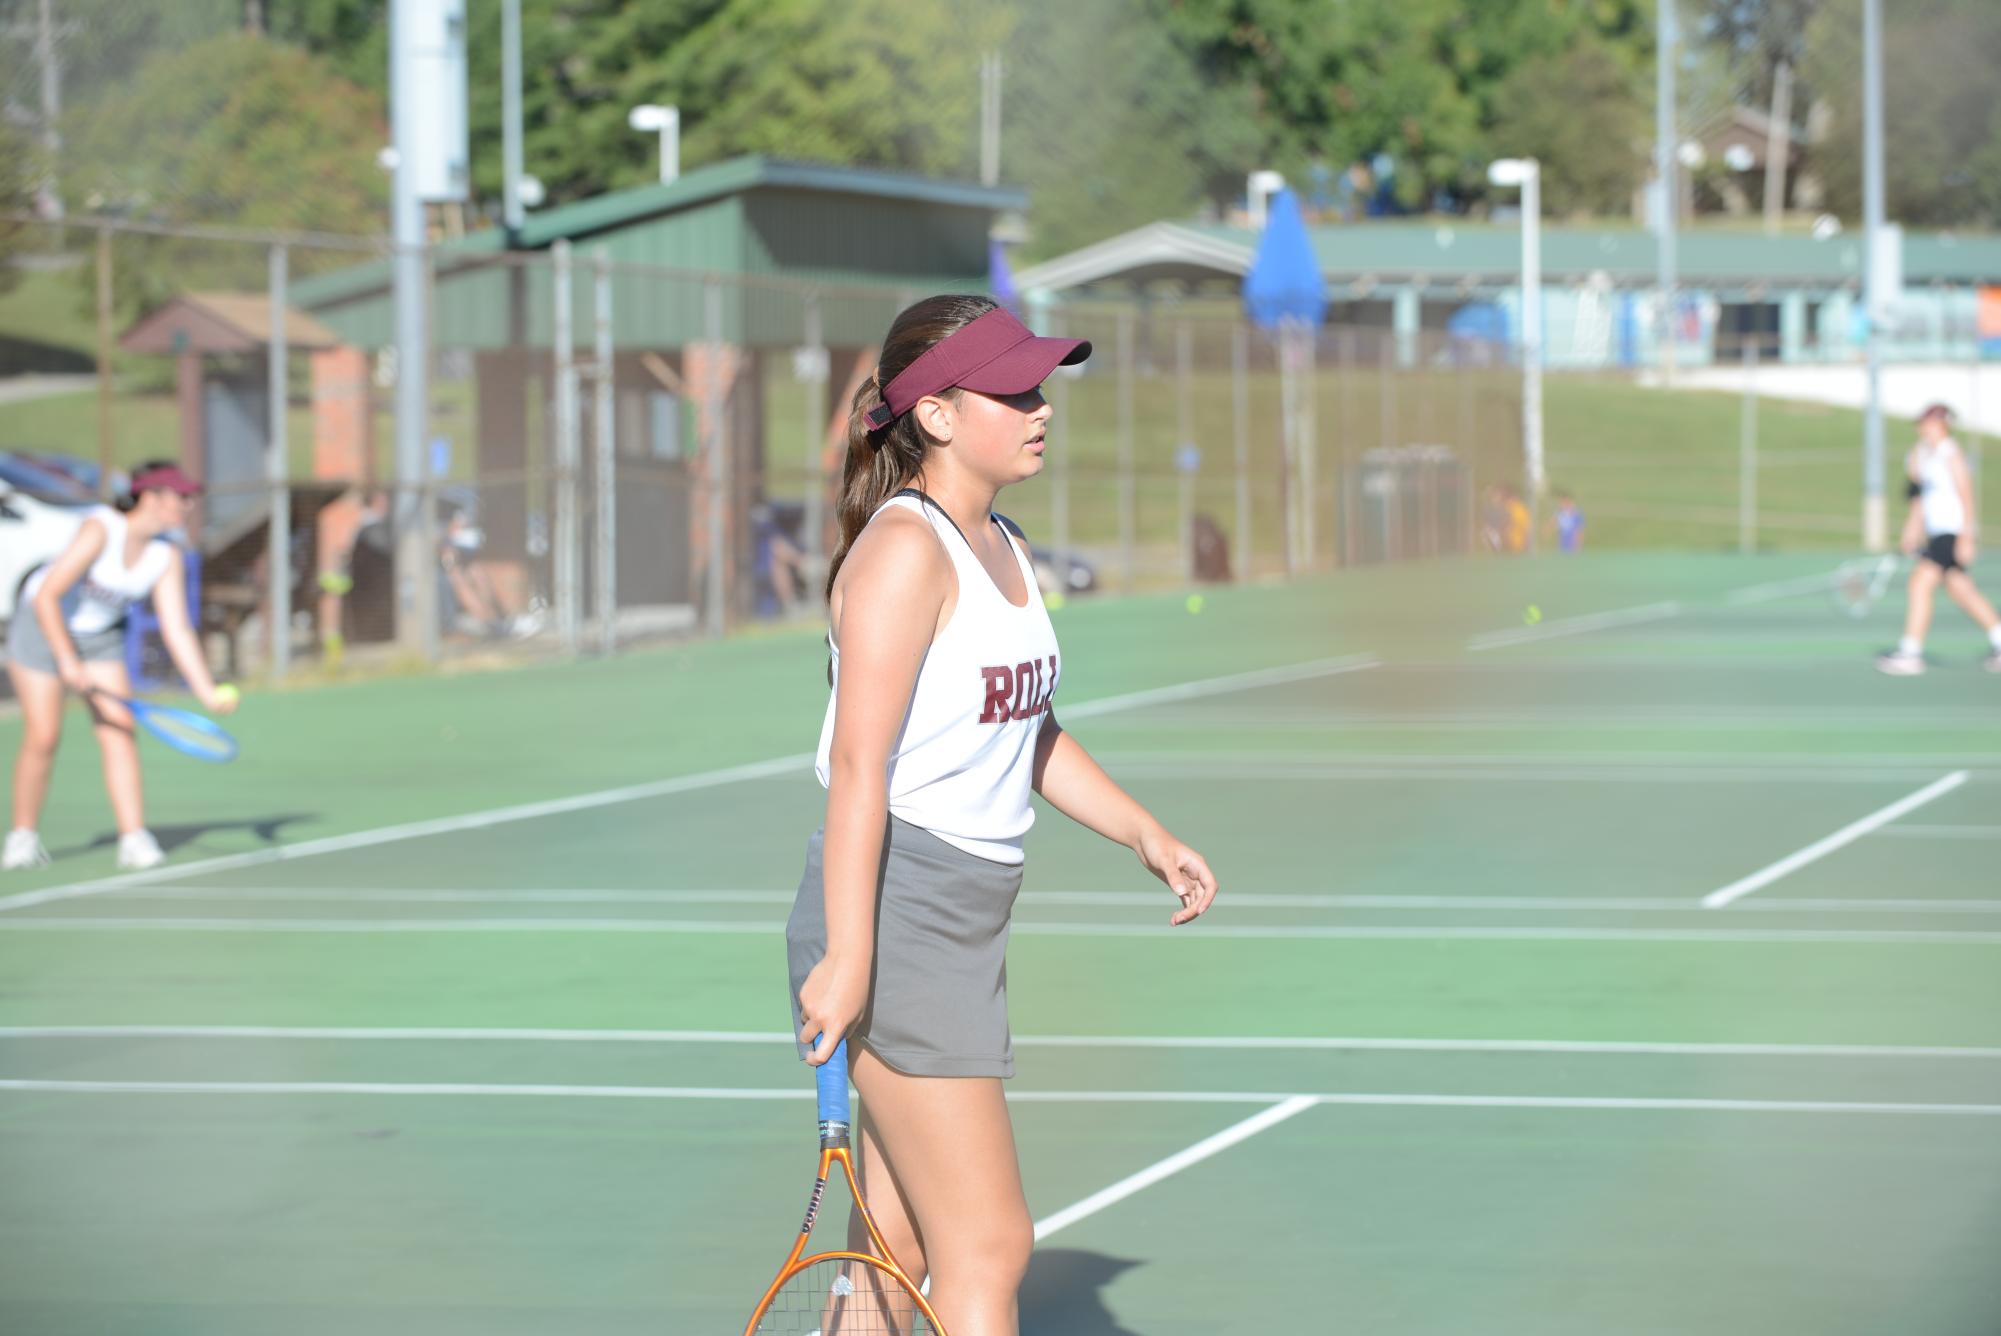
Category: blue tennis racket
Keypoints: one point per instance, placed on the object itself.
(186, 732)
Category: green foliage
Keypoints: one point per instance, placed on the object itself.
(17, 188)
(236, 129)
(1580, 114)
(1104, 145)
(1941, 118)
(1416, 80)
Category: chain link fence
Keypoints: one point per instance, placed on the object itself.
(616, 451)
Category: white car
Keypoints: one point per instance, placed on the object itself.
(32, 531)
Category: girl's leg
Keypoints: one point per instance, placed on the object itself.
(1918, 616)
(948, 1146)
(41, 697)
(115, 739)
(1960, 588)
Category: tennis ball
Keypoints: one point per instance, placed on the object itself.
(1195, 604)
(1053, 600)
(336, 582)
(1531, 615)
(227, 694)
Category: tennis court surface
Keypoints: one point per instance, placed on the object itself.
(1631, 964)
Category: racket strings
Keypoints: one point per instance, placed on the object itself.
(843, 1297)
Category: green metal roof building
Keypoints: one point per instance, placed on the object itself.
(765, 230)
(709, 282)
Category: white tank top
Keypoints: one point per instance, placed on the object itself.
(1940, 502)
(98, 601)
(963, 763)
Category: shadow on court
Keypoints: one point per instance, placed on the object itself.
(1063, 1293)
(267, 829)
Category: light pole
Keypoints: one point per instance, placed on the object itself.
(667, 121)
(1527, 174)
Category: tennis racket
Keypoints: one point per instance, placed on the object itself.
(1860, 585)
(838, 1292)
(186, 732)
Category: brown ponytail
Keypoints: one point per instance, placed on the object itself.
(880, 463)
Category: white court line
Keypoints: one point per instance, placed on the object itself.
(1172, 1165)
(1204, 933)
(655, 789)
(1660, 904)
(1917, 832)
(1765, 593)
(1263, 1043)
(1570, 626)
(1819, 849)
(1668, 771)
(800, 1095)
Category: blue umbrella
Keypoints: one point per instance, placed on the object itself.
(1285, 282)
(1000, 280)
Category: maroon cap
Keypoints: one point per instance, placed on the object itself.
(1941, 411)
(995, 354)
(164, 478)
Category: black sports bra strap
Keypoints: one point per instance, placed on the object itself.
(926, 499)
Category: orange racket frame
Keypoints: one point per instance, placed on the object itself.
(833, 1084)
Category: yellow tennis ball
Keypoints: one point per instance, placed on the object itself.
(1195, 604)
(1532, 615)
(227, 694)
(1053, 600)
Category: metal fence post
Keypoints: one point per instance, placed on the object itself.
(604, 413)
(718, 449)
(1128, 489)
(277, 468)
(568, 572)
(1184, 384)
(1059, 484)
(1747, 455)
(1240, 398)
(815, 390)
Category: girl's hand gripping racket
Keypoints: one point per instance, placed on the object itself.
(839, 1292)
(186, 732)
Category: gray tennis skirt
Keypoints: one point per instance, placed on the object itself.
(938, 999)
(29, 647)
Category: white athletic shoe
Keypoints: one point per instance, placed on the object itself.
(24, 850)
(1899, 664)
(139, 851)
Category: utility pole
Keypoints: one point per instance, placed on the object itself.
(1664, 168)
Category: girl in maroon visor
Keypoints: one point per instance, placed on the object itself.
(941, 722)
(69, 631)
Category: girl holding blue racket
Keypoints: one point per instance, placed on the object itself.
(69, 632)
(940, 723)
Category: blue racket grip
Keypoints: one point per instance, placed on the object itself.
(832, 1078)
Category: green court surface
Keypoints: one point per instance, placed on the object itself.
(461, 1006)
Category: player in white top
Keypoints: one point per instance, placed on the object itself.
(1941, 532)
(69, 631)
(955, 412)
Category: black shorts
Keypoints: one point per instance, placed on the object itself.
(1940, 551)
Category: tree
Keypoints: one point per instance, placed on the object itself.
(1580, 113)
(1941, 120)
(1413, 79)
(17, 190)
(235, 130)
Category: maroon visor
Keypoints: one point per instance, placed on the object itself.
(995, 354)
(164, 478)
